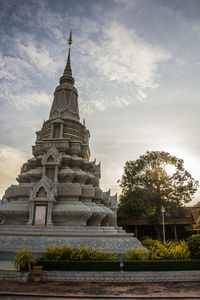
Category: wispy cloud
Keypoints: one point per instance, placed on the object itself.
(126, 58)
(16, 87)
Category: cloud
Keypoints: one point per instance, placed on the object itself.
(35, 14)
(10, 162)
(26, 101)
(125, 5)
(21, 69)
(16, 86)
(120, 63)
(38, 57)
(126, 58)
(29, 56)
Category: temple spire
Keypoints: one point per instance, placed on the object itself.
(67, 74)
(70, 38)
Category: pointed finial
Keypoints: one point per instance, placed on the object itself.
(84, 121)
(70, 38)
(67, 75)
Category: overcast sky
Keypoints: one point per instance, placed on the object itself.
(136, 65)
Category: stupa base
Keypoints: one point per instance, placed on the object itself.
(38, 238)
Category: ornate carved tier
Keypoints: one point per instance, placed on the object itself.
(71, 213)
(65, 103)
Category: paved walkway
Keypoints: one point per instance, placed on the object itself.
(167, 289)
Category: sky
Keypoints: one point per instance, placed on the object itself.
(136, 65)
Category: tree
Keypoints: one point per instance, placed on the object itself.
(154, 180)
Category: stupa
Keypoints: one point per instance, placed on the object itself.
(58, 199)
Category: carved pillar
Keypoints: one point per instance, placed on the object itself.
(56, 173)
(31, 214)
(61, 130)
(49, 213)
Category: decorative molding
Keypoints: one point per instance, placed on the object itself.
(39, 243)
(56, 156)
(49, 187)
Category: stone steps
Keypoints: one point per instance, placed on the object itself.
(8, 275)
(166, 276)
(61, 230)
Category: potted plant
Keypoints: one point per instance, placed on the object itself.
(22, 262)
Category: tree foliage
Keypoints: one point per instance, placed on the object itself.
(194, 245)
(147, 185)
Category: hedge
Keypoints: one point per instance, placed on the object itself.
(79, 265)
(162, 265)
(156, 265)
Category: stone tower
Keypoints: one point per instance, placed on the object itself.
(58, 199)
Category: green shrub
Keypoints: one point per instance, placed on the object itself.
(153, 253)
(160, 251)
(194, 245)
(149, 243)
(173, 250)
(99, 254)
(136, 254)
(74, 254)
(52, 253)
